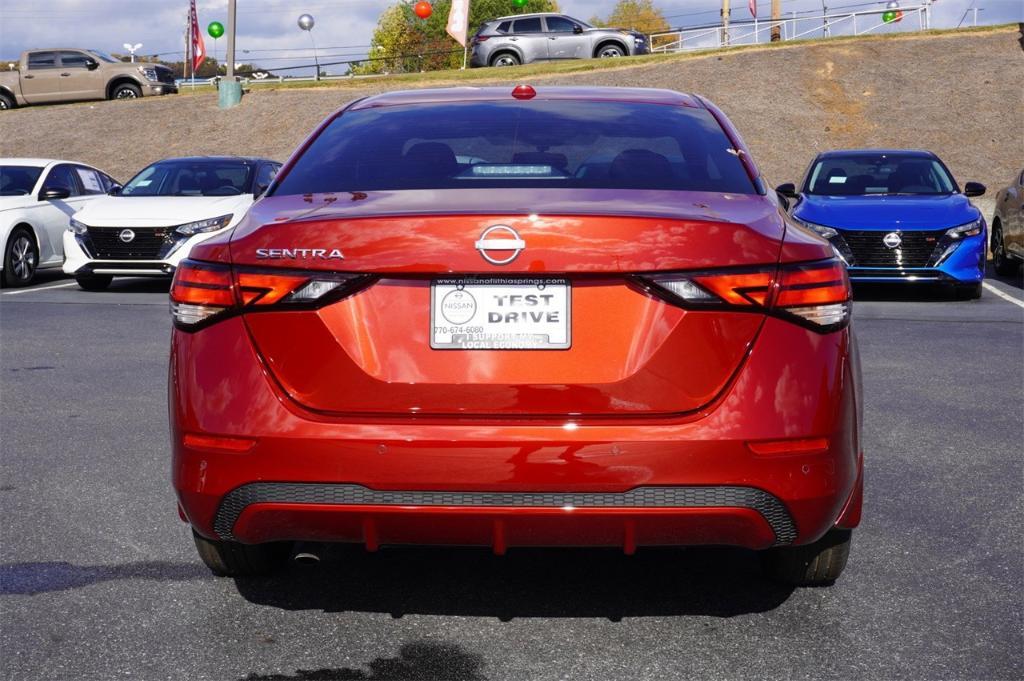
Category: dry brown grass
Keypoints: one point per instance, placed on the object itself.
(958, 94)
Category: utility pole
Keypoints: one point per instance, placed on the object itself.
(230, 90)
(824, 20)
(776, 17)
(725, 22)
(231, 39)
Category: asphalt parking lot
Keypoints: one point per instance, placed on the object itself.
(99, 578)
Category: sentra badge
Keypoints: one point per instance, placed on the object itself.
(299, 254)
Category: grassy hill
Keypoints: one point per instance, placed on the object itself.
(958, 93)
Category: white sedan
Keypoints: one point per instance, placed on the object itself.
(37, 198)
(152, 223)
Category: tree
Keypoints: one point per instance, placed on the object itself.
(404, 43)
(639, 15)
(392, 37)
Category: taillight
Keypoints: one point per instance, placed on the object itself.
(815, 294)
(200, 291)
(204, 292)
(480, 39)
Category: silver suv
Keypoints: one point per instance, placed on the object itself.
(524, 38)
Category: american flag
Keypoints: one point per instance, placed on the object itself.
(196, 44)
(752, 6)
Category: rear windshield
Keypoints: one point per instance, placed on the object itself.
(889, 174)
(18, 180)
(556, 144)
(191, 178)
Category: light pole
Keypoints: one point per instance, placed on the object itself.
(230, 90)
(132, 49)
(231, 39)
(306, 23)
(725, 22)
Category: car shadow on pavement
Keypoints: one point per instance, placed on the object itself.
(418, 661)
(907, 293)
(1016, 281)
(43, 577)
(140, 285)
(604, 583)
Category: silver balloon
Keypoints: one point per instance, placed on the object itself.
(306, 22)
(892, 5)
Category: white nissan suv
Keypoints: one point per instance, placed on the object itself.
(152, 223)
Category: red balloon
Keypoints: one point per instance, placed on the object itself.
(423, 10)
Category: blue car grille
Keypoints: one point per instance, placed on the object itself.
(918, 248)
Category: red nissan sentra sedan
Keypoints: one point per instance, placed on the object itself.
(515, 317)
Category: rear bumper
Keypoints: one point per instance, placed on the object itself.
(477, 58)
(644, 515)
(291, 474)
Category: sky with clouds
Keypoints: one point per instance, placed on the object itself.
(267, 28)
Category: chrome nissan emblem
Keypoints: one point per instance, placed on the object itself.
(892, 240)
(126, 236)
(501, 239)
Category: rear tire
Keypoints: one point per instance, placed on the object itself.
(233, 559)
(94, 282)
(6, 101)
(1003, 264)
(21, 257)
(505, 59)
(817, 564)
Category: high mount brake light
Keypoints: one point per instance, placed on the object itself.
(205, 292)
(813, 294)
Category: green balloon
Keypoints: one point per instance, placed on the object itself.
(215, 29)
(889, 17)
(519, 3)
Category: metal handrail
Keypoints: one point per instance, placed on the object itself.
(790, 28)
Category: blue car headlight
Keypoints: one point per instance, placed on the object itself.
(820, 230)
(964, 231)
(955, 236)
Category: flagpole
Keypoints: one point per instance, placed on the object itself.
(188, 54)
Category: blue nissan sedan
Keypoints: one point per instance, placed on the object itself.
(895, 216)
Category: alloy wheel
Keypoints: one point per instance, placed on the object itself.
(997, 247)
(506, 60)
(610, 53)
(23, 258)
(126, 93)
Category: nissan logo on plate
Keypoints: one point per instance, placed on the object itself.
(496, 238)
(892, 240)
(126, 236)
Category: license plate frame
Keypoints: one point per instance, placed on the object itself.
(460, 324)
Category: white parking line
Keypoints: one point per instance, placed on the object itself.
(1004, 296)
(39, 288)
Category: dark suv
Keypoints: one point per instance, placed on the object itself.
(524, 38)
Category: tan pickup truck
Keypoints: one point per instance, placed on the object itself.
(72, 74)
